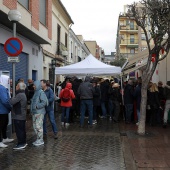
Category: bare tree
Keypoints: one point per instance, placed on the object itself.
(155, 13)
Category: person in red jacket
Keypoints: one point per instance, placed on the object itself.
(66, 96)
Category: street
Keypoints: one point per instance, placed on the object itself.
(96, 148)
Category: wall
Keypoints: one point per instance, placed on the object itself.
(91, 46)
(34, 62)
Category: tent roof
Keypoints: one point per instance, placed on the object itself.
(89, 66)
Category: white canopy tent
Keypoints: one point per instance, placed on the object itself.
(89, 66)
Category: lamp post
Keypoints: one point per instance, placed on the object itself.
(14, 16)
(53, 65)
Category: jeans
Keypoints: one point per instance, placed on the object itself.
(138, 113)
(129, 111)
(103, 107)
(3, 126)
(111, 108)
(167, 108)
(116, 110)
(52, 121)
(20, 131)
(89, 105)
(65, 111)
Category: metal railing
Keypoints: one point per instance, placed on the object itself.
(128, 41)
(129, 27)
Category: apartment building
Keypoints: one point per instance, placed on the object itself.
(130, 38)
(34, 29)
(77, 48)
(58, 49)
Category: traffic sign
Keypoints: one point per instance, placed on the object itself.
(13, 59)
(13, 46)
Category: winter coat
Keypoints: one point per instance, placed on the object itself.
(167, 92)
(86, 90)
(96, 96)
(128, 94)
(5, 106)
(50, 96)
(19, 103)
(153, 99)
(137, 95)
(115, 94)
(104, 86)
(39, 100)
(72, 96)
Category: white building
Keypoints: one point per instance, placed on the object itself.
(77, 48)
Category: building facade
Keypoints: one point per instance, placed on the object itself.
(34, 29)
(77, 49)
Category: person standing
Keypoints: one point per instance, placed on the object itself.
(137, 95)
(19, 103)
(153, 101)
(5, 108)
(49, 109)
(128, 100)
(167, 104)
(86, 92)
(66, 96)
(38, 104)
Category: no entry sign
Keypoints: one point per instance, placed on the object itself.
(13, 46)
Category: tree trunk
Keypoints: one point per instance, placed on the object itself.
(145, 81)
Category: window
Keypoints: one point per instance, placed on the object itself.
(36, 52)
(58, 39)
(132, 25)
(66, 40)
(24, 3)
(132, 51)
(96, 50)
(42, 15)
(143, 36)
(132, 38)
(33, 51)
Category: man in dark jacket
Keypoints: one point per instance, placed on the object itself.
(167, 105)
(49, 109)
(86, 92)
(19, 103)
(128, 100)
(137, 95)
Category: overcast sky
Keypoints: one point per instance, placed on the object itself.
(96, 20)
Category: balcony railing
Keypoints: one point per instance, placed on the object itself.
(129, 27)
(128, 41)
(127, 55)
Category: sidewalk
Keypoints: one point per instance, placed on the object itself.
(151, 152)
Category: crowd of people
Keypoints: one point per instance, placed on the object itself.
(94, 98)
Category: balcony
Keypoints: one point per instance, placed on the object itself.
(129, 28)
(130, 43)
(127, 55)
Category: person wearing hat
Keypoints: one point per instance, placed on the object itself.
(116, 98)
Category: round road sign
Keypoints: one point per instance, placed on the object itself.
(13, 46)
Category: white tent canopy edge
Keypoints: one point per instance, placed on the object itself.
(89, 66)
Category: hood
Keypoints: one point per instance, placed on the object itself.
(4, 80)
(37, 83)
(87, 79)
(69, 85)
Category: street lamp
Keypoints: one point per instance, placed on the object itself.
(14, 16)
(53, 65)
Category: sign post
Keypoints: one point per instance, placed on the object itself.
(13, 47)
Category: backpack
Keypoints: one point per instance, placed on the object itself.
(66, 96)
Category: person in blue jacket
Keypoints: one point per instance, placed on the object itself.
(5, 108)
(49, 109)
(38, 104)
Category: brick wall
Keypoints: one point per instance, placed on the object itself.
(11, 4)
(34, 9)
(49, 18)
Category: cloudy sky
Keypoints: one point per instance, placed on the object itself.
(96, 20)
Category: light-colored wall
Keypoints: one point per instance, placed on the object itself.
(34, 62)
(91, 46)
